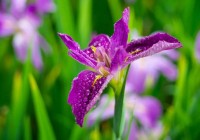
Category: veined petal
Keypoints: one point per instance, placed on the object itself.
(150, 45)
(120, 36)
(69, 42)
(101, 40)
(118, 59)
(80, 58)
(76, 53)
(86, 90)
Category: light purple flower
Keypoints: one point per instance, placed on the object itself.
(197, 46)
(147, 70)
(142, 133)
(107, 56)
(22, 23)
(145, 109)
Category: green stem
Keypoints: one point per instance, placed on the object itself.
(119, 120)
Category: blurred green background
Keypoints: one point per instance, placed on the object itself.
(33, 103)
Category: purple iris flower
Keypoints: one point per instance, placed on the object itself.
(107, 56)
(22, 22)
(197, 45)
(146, 70)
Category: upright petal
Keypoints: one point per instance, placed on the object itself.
(76, 53)
(86, 90)
(117, 63)
(150, 45)
(120, 36)
(18, 7)
(101, 40)
(197, 47)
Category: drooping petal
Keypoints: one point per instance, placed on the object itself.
(150, 45)
(101, 40)
(121, 30)
(36, 54)
(197, 47)
(20, 45)
(86, 90)
(75, 51)
(7, 24)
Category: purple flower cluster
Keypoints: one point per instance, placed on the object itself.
(147, 70)
(147, 110)
(22, 21)
(108, 56)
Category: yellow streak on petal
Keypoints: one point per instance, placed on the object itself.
(93, 48)
(136, 51)
(103, 71)
(96, 78)
(133, 52)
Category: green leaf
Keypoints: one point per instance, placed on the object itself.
(44, 125)
(119, 119)
(20, 96)
(27, 129)
(84, 21)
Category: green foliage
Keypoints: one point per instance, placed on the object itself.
(33, 103)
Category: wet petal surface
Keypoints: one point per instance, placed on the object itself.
(150, 45)
(85, 92)
(98, 41)
(120, 36)
(76, 53)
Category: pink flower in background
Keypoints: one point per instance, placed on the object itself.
(22, 22)
(147, 70)
(147, 110)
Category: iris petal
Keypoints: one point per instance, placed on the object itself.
(120, 36)
(150, 45)
(76, 53)
(86, 90)
(101, 40)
